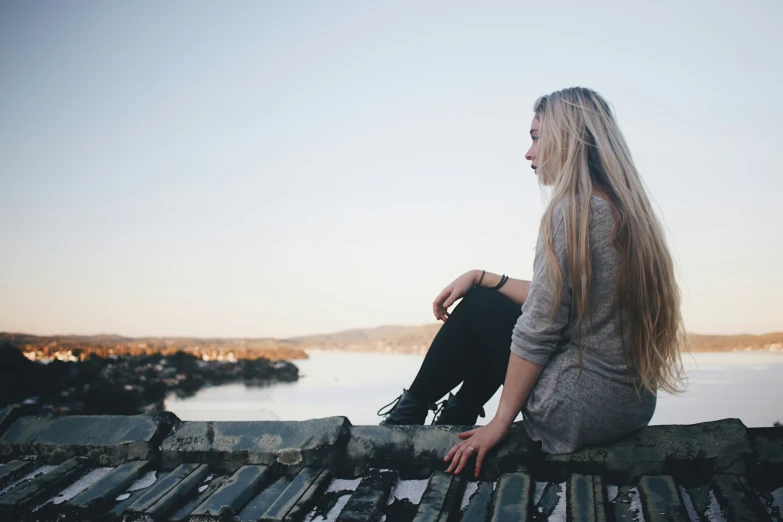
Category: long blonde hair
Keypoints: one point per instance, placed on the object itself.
(581, 147)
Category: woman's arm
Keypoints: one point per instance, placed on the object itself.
(521, 376)
(514, 289)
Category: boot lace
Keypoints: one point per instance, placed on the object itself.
(442, 404)
(439, 408)
(391, 406)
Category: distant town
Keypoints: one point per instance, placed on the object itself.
(384, 339)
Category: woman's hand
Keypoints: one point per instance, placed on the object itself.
(458, 288)
(477, 442)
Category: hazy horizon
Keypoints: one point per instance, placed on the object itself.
(276, 170)
(314, 334)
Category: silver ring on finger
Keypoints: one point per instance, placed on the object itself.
(471, 448)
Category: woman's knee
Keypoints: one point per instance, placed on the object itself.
(480, 300)
(483, 296)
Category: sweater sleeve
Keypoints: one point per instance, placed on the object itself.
(535, 338)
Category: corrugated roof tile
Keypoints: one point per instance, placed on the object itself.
(232, 496)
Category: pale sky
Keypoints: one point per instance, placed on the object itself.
(254, 169)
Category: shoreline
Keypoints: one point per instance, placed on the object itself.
(122, 385)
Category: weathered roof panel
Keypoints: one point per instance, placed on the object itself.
(229, 445)
(327, 469)
(110, 439)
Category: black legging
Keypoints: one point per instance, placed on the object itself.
(473, 346)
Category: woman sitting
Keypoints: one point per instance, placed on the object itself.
(600, 328)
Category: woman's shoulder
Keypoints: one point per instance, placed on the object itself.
(600, 213)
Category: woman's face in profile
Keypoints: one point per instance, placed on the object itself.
(532, 153)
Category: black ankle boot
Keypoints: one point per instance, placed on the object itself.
(405, 409)
(457, 413)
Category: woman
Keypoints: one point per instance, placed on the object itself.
(600, 330)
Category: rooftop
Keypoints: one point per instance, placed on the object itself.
(159, 468)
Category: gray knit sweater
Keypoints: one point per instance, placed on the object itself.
(565, 410)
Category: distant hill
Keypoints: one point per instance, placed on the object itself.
(416, 339)
(390, 339)
(385, 339)
(733, 343)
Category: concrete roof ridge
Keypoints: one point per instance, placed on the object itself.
(285, 470)
(723, 446)
(107, 440)
(288, 446)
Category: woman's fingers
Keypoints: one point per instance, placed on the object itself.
(459, 456)
(464, 435)
(454, 458)
(475, 443)
(452, 451)
(453, 464)
(455, 294)
(440, 314)
(436, 309)
(445, 293)
(450, 454)
(441, 304)
(464, 459)
(439, 311)
(479, 460)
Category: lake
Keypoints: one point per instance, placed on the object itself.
(745, 385)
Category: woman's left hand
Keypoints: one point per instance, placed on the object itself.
(477, 443)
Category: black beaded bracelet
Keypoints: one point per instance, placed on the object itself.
(481, 278)
(501, 283)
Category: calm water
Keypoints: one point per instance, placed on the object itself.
(748, 386)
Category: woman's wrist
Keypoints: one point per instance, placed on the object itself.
(503, 417)
(502, 423)
(488, 279)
